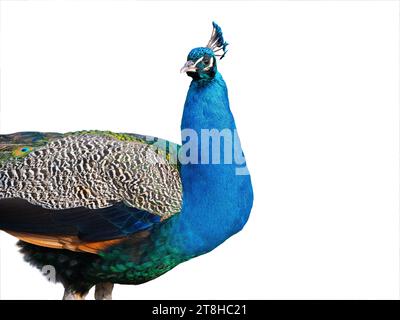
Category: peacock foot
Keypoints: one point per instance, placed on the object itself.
(104, 291)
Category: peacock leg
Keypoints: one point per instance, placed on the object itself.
(104, 291)
(73, 295)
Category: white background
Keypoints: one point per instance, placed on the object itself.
(314, 87)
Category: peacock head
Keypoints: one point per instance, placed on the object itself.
(201, 62)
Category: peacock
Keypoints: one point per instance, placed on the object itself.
(105, 208)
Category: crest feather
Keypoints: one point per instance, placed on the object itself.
(217, 42)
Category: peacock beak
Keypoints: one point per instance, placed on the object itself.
(189, 66)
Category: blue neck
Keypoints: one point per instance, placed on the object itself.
(216, 201)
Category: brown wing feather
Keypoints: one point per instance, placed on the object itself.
(72, 243)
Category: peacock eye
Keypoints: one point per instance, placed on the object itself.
(206, 59)
(21, 151)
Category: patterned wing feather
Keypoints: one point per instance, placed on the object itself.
(83, 191)
(89, 170)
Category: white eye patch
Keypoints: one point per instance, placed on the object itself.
(197, 61)
(210, 64)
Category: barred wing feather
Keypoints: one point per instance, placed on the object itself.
(96, 178)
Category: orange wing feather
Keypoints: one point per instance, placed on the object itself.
(72, 243)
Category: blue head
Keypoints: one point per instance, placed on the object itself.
(201, 62)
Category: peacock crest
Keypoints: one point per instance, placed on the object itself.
(217, 42)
